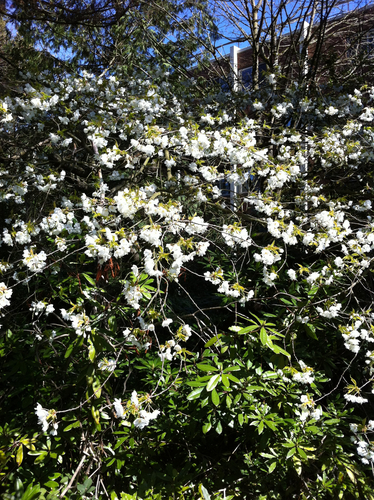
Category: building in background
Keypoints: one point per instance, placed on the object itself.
(340, 47)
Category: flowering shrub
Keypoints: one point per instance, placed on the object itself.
(162, 333)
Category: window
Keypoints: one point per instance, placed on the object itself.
(224, 83)
(225, 87)
(246, 75)
(361, 46)
(368, 44)
(224, 186)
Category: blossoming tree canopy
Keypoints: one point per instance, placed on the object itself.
(145, 297)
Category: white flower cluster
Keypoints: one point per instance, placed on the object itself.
(35, 262)
(5, 294)
(364, 448)
(40, 306)
(129, 202)
(108, 158)
(353, 398)
(269, 278)
(268, 256)
(152, 235)
(109, 244)
(292, 274)
(235, 291)
(308, 409)
(132, 294)
(353, 334)
(196, 226)
(60, 220)
(278, 179)
(80, 322)
(144, 417)
(172, 348)
(185, 332)
(107, 365)
(304, 377)
(131, 339)
(235, 235)
(47, 418)
(150, 265)
(166, 350)
(281, 109)
(179, 260)
(23, 235)
(216, 277)
(331, 312)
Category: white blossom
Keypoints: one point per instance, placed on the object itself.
(5, 294)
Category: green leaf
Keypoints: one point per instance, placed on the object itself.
(195, 393)
(270, 424)
(310, 330)
(285, 301)
(351, 475)
(219, 428)
(302, 453)
(120, 442)
(313, 429)
(112, 323)
(260, 427)
(215, 397)
(89, 279)
(19, 455)
(332, 421)
(87, 483)
(225, 381)
(233, 378)
(270, 375)
(72, 426)
(206, 427)
(204, 492)
(254, 388)
(196, 383)
(240, 418)
(96, 387)
(288, 445)
(237, 398)
(291, 453)
(278, 350)
(69, 350)
(32, 492)
(264, 336)
(232, 369)
(213, 340)
(74, 345)
(206, 368)
(96, 415)
(213, 382)
(313, 291)
(41, 457)
(247, 329)
(51, 484)
(272, 467)
(91, 351)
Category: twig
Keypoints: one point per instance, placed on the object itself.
(75, 474)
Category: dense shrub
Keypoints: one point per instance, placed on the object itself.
(186, 291)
